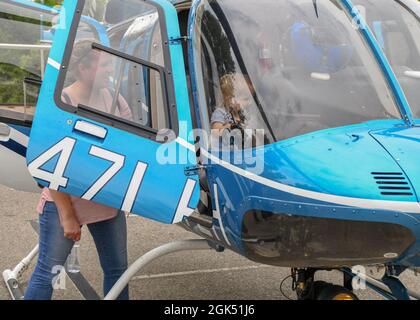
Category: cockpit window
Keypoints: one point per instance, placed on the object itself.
(295, 66)
(25, 40)
(396, 26)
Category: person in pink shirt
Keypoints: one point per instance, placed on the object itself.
(61, 215)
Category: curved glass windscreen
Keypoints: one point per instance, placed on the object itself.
(289, 67)
(396, 26)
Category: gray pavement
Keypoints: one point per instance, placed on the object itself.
(186, 275)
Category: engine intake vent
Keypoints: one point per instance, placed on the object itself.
(392, 183)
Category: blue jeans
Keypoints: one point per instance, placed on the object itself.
(110, 238)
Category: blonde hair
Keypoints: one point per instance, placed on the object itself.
(228, 85)
(227, 88)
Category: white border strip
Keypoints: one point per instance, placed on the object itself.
(216, 214)
(19, 137)
(400, 206)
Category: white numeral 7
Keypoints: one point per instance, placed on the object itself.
(118, 163)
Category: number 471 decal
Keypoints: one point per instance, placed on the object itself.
(65, 148)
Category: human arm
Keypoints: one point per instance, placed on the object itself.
(220, 126)
(71, 225)
(219, 121)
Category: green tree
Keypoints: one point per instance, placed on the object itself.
(15, 65)
(50, 3)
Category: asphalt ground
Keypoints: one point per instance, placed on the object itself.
(198, 275)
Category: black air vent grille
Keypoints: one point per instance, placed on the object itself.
(392, 183)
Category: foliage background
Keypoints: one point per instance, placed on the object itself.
(15, 65)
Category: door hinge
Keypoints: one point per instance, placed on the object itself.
(178, 40)
(193, 170)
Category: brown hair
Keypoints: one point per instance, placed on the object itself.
(81, 54)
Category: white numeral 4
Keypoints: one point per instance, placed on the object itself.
(56, 178)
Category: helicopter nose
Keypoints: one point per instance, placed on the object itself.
(403, 144)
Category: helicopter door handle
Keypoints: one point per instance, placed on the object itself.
(90, 129)
(4, 132)
(412, 74)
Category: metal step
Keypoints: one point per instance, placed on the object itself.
(201, 219)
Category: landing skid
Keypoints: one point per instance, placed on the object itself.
(389, 286)
(183, 245)
(12, 277)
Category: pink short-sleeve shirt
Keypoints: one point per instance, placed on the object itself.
(88, 211)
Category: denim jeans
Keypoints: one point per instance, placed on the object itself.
(110, 238)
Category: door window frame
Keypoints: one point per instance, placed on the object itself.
(167, 81)
(15, 117)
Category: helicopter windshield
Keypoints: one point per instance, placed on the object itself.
(397, 28)
(298, 66)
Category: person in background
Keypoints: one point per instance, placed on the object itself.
(235, 95)
(230, 115)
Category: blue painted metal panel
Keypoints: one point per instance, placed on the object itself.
(404, 145)
(162, 186)
(336, 162)
(325, 174)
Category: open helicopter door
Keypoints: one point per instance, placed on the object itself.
(25, 40)
(113, 120)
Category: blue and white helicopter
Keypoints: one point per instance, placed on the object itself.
(331, 86)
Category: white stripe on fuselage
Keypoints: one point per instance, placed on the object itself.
(400, 206)
(216, 214)
(19, 137)
(13, 173)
